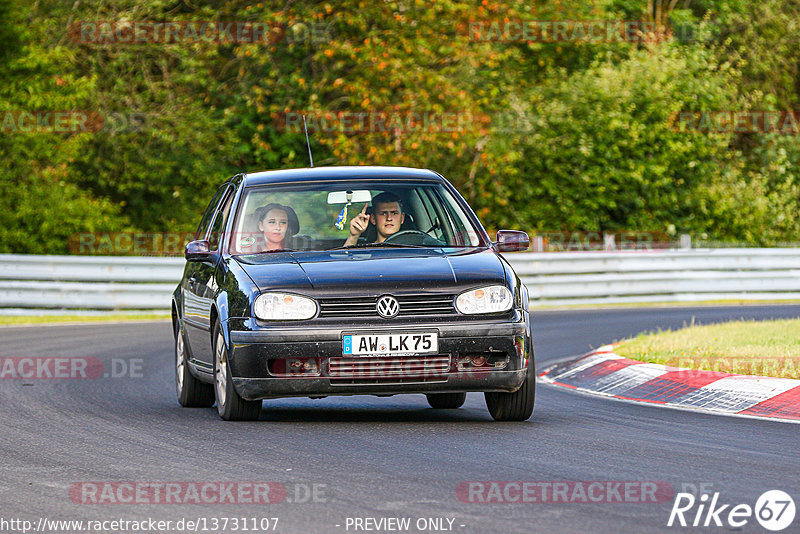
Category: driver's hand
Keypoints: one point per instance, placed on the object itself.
(359, 223)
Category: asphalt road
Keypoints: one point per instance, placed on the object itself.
(371, 457)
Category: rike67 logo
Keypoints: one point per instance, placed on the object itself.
(774, 510)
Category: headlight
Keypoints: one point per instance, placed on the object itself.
(283, 307)
(492, 299)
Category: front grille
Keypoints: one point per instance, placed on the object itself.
(410, 305)
(387, 381)
(416, 369)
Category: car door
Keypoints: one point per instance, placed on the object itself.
(199, 285)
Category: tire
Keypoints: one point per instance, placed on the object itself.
(517, 406)
(192, 393)
(446, 401)
(230, 405)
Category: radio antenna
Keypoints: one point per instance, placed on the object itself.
(308, 144)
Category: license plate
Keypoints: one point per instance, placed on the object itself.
(390, 344)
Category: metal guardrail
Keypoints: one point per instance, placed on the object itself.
(565, 278)
(87, 282)
(553, 278)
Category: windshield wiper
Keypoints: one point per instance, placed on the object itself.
(275, 250)
(376, 245)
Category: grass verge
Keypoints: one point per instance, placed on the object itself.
(764, 348)
(539, 306)
(12, 320)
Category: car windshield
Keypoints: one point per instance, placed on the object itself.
(362, 214)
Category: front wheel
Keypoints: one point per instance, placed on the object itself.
(446, 401)
(192, 393)
(230, 405)
(517, 406)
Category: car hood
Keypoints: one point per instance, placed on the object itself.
(364, 270)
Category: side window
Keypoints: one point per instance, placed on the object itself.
(205, 222)
(465, 234)
(435, 223)
(218, 226)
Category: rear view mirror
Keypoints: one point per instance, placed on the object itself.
(512, 241)
(343, 197)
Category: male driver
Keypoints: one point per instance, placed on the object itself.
(387, 217)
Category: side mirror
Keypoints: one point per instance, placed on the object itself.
(512, 241)
(198, 251)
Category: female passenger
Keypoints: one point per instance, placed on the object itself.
(278, 224)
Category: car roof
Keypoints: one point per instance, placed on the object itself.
(340, 174)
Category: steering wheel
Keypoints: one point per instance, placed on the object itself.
(421, 238)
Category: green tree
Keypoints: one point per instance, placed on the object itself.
(604, 153)
(39, 207)
(552, 134)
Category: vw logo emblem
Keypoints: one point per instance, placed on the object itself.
(387, 306)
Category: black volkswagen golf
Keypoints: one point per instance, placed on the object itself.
(350, 281)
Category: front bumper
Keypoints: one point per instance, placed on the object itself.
(256, 354)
